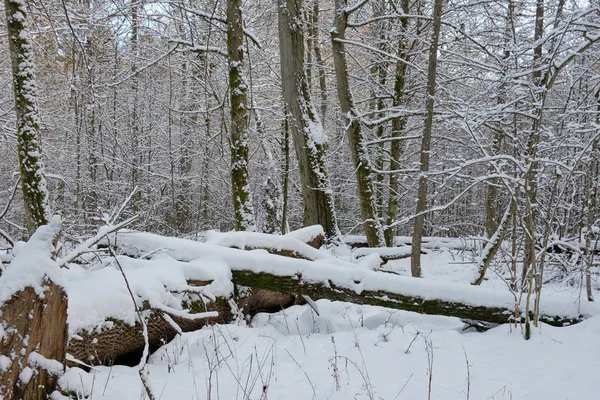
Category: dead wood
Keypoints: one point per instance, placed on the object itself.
(33, 324)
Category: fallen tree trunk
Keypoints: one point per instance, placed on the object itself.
(323, 279)
(117, 339)
(289, 245)
(329, 290)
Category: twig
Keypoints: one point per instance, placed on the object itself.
(85, 246)
(115, 215)
(10, 199)
(142, 364)
(468, 373)
(404, 386)
(7, 237)
(429, 350)
(411, 342)
(304, 372)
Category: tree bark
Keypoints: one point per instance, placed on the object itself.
(106, 345)
(398, 127)
(29, 139)
(46, 330)
(33, 321)
(240, 188)
(304, 123)
(358, 149)
(294, 284)
(415, 260)
(314, 25)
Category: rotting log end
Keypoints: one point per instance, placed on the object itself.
(33, 324)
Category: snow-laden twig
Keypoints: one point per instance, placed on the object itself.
(117, 213)
(85, 246)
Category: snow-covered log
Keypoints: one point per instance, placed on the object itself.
(285, 245)
(342, 281)
(170, 296)
(117, 338)
(313, 235)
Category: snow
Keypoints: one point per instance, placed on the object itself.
(307, 234)
(388, 252)
(255, 240)
(344, 351)
(353, 351)
(78, 381)
(53, 367)
(26, 375)
(95, 296)
(5, 363)
(347, 275)
(33, 263)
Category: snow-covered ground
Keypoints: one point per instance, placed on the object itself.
(351, 351)
(361, 352)
(344, 351)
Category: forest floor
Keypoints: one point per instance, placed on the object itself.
(349, 351)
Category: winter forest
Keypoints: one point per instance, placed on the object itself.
(299, 199)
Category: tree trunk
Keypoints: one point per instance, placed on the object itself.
(415, 260)
(33, 321)
(493, 245)
(304, 123)
(104, 346)
(240, 188)
(319, 60)
(345, 283)
(29, 139)
(271, 201)
(360, 156)
(499, 311)
(398, 127)
(286, 175)
(46, 330)
(136, 152)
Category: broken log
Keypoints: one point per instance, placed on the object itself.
(269, 301)
(33, 320)
(385, 253)
(117, 339)
(283, 245)
(313, 235)
(34, 328)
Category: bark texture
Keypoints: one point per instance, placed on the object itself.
(419, 222)
(116, 339)
(358, 149)
(33, 324)
(29, 140)
(304, 123)
(240, 189)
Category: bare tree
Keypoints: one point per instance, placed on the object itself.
(29, 139)
(304, 123)
(240, 188)
(415, 260)
(358, 149)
